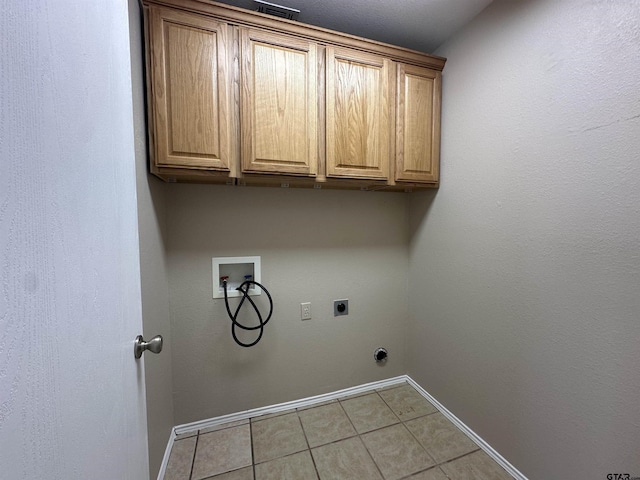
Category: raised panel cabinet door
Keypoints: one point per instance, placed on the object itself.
(418, 124)
(190, 91)
(279, 113)
(358, 116)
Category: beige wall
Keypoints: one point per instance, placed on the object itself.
(153, 271)
(316, 246)
(525, 266)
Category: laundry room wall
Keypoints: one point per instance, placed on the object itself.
(316, 246)
(525, 265)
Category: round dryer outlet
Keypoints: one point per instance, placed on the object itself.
(380, 355)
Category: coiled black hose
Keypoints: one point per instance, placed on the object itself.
(244, 289)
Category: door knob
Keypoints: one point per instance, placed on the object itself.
(154, 345)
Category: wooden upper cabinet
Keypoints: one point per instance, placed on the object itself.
(240, 97)
(279, 112)
(190, 90)
(418, 124)
(358, 114)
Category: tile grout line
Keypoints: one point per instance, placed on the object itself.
(304, 432)
(287, 454)
(438, 464)
(401, 422)
(366, 449)
(357, 435)
(461, 456)
(375, 429)
(315, 467)
(348, 418)
(435, 462)
(363, 442)
(388, 406)
(193, 460)
(435, 467)
(253, 463)
(371, 457)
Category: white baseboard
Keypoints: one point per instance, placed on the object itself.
(305, 402)
(167, 454)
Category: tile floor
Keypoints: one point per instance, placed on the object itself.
(389, 434)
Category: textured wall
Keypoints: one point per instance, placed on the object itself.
(71, 393)
(525, 266)
(315, 246)
(153, 270)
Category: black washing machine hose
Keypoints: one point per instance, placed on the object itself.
(244, 289)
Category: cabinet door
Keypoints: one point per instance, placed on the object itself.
(418, 124)
(279, 113)
(190, 92)
(358, 117)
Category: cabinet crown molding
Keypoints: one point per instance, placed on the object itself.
(242, 17)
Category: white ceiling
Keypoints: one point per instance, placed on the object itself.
(418, 24)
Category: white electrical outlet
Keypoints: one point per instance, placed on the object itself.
(305, 311)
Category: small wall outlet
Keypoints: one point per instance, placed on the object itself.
(305, 311)
(340, 307)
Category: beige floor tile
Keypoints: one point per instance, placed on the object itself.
(222, 451)
(369, 412)
(407, 403)
(476, 466)
(396, 452)
(242, 474)
(441, 438)
(345, 460)
(277, 437)
(222, 426)
(181, 459)
(326, 424)
(432, 474)
(298, 466)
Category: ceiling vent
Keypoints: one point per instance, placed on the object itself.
(277, 10)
